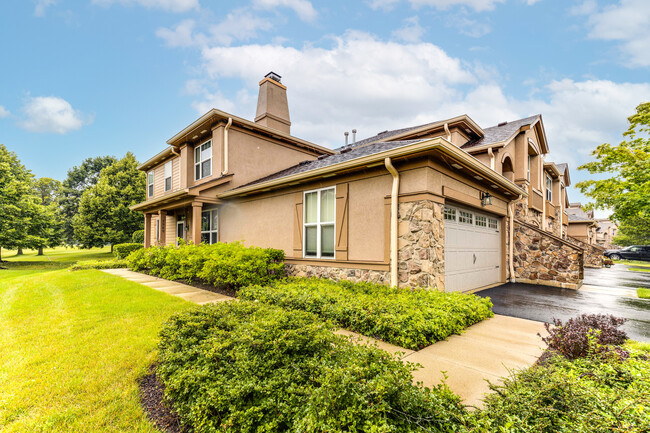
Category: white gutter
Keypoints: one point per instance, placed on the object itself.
(394, 197)
(491, 153)
(225, 146)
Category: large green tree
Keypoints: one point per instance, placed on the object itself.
(104, 215)
(625, 186)
(47, 223)
(16, 199)
(79, 179)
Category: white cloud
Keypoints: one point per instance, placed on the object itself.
(469, 27)
(411, 32)
(168, 5)
(41, 7)
(4, 112)
(303, 8)
(477, 5)
(51, 114)
(626, 22)
(238, 25)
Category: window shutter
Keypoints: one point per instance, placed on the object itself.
(342, 212)
(297, 226)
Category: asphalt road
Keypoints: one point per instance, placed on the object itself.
(544, 303)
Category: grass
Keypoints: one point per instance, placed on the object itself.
(643, 293)
(74, 345)
(52, 258)
(634, 263)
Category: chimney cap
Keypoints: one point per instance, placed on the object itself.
(273, 76)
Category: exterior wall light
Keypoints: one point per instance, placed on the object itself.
(486, 199)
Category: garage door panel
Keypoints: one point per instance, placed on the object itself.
(472, 252)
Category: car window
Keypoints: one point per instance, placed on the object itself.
(626, 249)
(635, 249)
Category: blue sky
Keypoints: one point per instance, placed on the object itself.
(94, 77)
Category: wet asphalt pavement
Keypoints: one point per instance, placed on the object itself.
(544, 303)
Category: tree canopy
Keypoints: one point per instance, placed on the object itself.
(104, 215)
(79, 179)
(626, 187)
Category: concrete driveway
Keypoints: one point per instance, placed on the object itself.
(543, 303)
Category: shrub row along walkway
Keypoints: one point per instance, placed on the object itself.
(486, 351)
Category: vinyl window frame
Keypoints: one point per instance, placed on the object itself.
(199, 164)
(168, 177)
(212, 229)
(318, 224)
(549, 188)
(150, 181)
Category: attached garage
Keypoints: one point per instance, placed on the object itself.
(473, 249)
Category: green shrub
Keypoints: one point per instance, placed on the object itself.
(408, 318)
(98, 264)
(585, 395)
(121, 251)
(229, 265)
(138, 237)
(251, 367)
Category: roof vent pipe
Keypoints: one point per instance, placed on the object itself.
(346, 133)
(354, 136)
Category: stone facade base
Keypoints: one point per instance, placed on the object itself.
(338, 274)
(593, 253)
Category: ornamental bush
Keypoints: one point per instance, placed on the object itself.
(98, 264)
(228, 265)
(138, 237)
(585, 335)
(121, 251)
(408, 318)
(252, 367)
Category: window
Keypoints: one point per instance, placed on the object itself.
(168, 176)
(450, 213)
(465, 217)
(493, 223)
(157, 230)
(150, 183)
(481, 221)
(318, 222)
(549, 188)
(530, 163)
(209, 226)
(203, 160)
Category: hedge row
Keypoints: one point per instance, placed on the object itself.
(251, 367)
(122, 251)
(408, 318)
(230, 265)
(98, 264)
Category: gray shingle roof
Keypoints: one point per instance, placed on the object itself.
(384, 135)
(324, 161)
(496, 134)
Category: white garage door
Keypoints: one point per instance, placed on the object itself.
(472, 249)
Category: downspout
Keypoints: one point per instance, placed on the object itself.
(511, 236)
(393, 222)
(447, 131)
(175, 152)
(491, 153)
(225, 146)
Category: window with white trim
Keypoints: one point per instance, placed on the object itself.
(493, 224)
(209, 226)
(450, 213)
(150, 184)
(203, 160)
(481, 221)
(549, 188)
(465, 217)
(318, 223)
(168, 176)
(530, 163)
(157, 230)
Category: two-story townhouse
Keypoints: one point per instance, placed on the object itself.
(583, 232)
(606, 232)
(445, 204)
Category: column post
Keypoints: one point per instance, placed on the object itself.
(147, 230)
(162, 217)
(197, 208)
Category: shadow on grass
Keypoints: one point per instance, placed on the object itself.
(35, 265)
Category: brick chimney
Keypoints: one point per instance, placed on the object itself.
(272, 105)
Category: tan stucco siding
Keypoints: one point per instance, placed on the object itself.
(366, 218)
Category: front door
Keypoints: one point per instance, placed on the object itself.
(180, 231)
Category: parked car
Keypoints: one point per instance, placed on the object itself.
(633, 252)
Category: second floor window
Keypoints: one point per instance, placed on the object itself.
(549, 188)
(203, 160)
(530, 163)
(319, 223)
(150, 183)
(168, 176)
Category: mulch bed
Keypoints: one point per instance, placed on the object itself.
(151, 398)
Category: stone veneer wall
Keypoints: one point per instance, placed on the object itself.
(338, 274)
(593, 253)
(421, 248)
(543, 258)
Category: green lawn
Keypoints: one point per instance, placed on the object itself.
(634, 263)
(73, 345)
(643, 293)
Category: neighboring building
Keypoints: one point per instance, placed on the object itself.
(446, 204)
(583, 231)
(606, 232)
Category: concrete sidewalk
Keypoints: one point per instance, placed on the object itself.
(189, 293)
(488, 350)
